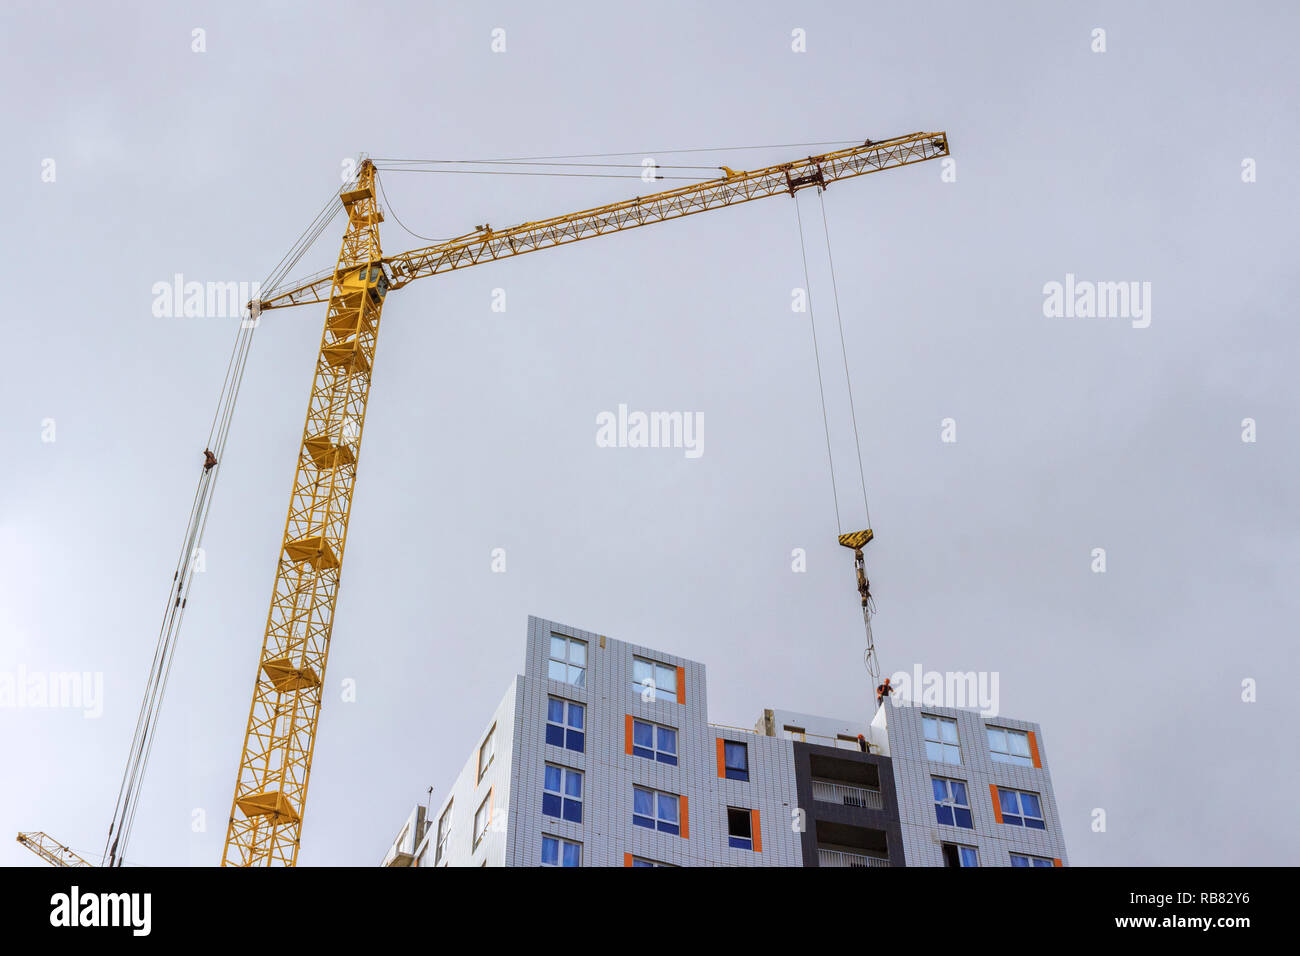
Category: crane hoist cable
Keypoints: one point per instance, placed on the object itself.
(855, 540)
(124, 810)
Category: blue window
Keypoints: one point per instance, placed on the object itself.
(654, 742)
(1021, 809)
(955, 854)
(951, 804)
(564, 724)
(562, 793)
(568, 660)
(740, 829)
(638, 861)
(557, 852)
(655, 811)
(1022, 859)
(736, 758)
(654, 681)
(1009, 746)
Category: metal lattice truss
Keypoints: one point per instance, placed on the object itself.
(270, 793)
(487, 245)
(50, 850)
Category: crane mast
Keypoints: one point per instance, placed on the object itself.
(266, 813)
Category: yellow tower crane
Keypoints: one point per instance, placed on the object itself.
(50, 850)
(269, 803)
(271, 789)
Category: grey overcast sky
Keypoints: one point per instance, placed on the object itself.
(1072, 433)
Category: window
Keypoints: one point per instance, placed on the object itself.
(486, 752)
(655, 811)
(1021, 809)
(557, 852)
(654, 681)
(564, 724)
(941, 739)
(641, 861)
(1009, 746)
(482, 819)
(951, 805)
(568, 660)
(740, 829)
(562, 793)
(1023, 859)
(736, 757)
(444, 831)
(954, 854)
(654, 742)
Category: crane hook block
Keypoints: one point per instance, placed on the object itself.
(856, 540)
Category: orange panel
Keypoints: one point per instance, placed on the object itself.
(722, 757)
(686, 820)
(627, 859)
(681, 685)
(1056, 862)
(758, 832)
(1033, 748)
(627, 733)
(997, 807)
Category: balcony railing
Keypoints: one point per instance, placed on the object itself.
(846, 795)
(845, 858)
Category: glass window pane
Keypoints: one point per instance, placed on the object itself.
(940, 788)
(577, 653)
(963, 818)
(555, 710)
(959, 792)
(551, 804)
(933, 751)
(572, 854)
(575, 740)
(553, 779)
(1029, 803)
(943, 814)
(666, 678)
(1018, 860)
(667, 808)
(573, 784)
(642, 802)
(557, 648)
(554, 735)
(643, 734)
(1019, 744)
(668, 740)
(642, 671)
(577, 676)
(949, 729)
(997, 740)
(555, 670)
(550, 851)
(576, 713)
(573, 811)
(1007, 798)
(969, 856)
(931, 728)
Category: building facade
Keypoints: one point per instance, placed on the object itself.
(601, 754)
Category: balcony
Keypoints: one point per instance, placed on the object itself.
(829, 857)
(843, 794)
